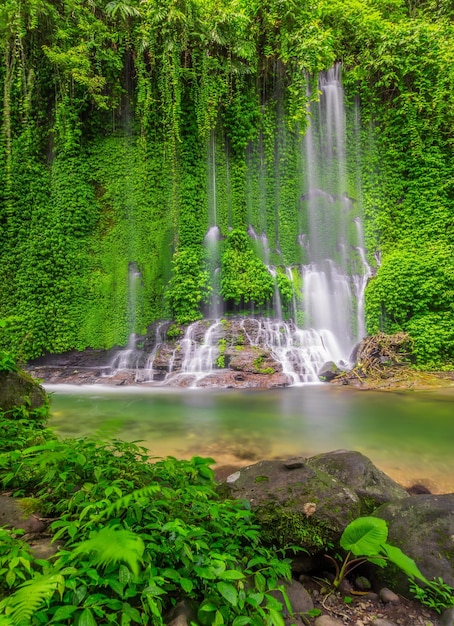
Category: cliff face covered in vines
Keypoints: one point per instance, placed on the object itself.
(130, 128)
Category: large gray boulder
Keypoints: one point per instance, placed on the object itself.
(423, 528)
(308, 502)
(356, 471)
(295, 503)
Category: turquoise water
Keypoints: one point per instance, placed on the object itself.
(410, 435)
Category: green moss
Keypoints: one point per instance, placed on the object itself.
(257, 363)
(174, 331)
(29, 506)
(283, 526)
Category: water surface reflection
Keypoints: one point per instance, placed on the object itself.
(409, 435)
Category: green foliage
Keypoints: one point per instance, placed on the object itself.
(16, 560)
(137, 536)
(365, 539)
(436, 594)
(413, 292)
(188, 287)
(108, 109)
(244, 278)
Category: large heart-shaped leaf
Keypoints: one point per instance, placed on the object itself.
(365, 536)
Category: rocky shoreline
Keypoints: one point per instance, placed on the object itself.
(240, 353)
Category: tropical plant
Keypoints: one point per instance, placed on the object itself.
(436, 594)
(364, 539)
(137, 535)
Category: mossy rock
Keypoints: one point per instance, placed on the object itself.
(18, 389)
(423, 528)
(351, 468)
(296, 504)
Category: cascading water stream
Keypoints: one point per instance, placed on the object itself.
(328, 274)
(333, 284)
(129, 357)
(213, 236)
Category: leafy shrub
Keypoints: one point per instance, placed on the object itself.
(364, 540)
(244, 277)
(138, 536)
(407, 294)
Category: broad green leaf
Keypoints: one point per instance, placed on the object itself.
(241, 620)
(10, 578)
(86, 618)
(260, 581)
(232, 574)
(218, 619)
(154, 590)
(208, 607)
(228, 592)
(255, 599)
(276, 618)
(364, 536)
(403, 562)
(63, 613)
(186, 584)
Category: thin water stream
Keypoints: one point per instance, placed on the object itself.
(408, 435)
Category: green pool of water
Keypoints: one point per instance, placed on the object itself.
(410, 435)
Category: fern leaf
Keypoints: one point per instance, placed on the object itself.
(136, 496)
(25, 602)
(112, 545)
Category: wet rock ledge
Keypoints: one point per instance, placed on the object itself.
(235, 353)
(241, 353)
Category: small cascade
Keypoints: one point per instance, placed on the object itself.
(212, 247)
(199, 351)
(300, 352)
(148, 372)
(277, 304)
(262, 244)
(293, 310)
(360, 282)
(129, 358)
(213, 236)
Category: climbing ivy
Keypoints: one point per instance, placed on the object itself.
(124, 124)
(244, 278)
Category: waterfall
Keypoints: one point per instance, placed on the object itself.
(130, 357)
(198, 351)
(313, 249)
(212, 248)
(301, 353)
(213, 236)
(333, 284)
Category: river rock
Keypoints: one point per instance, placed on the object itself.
(329, 371)
(19, 389)
(299, 599)
(447, 617)
(386, 595)
(358, 472)
(327, 620)
(423, 528)
(228, 379)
